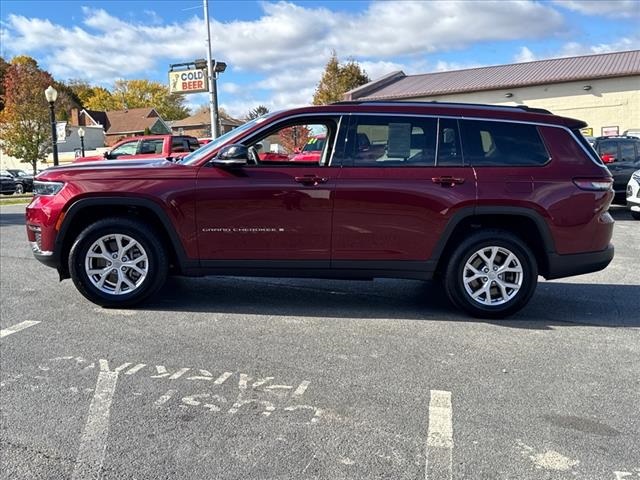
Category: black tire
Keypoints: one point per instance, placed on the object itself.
(19, 189)
(635, 215)
(156, 264)
(505, 242)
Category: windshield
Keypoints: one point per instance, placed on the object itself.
(203, 151)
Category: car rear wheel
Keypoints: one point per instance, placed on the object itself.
(118, 262)
(19, 188)
(492, 274)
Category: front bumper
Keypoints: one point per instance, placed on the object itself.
(577, 264)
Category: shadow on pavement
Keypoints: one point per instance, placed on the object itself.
(12, 219)
(554, 303)
(619, 212)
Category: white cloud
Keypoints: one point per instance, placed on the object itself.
(607, 8)
(525, 55)
(575, 49)
(378, 69)
(288, 45)
(410, 27)
(444, 66)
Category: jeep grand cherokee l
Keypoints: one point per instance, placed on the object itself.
(485, 198)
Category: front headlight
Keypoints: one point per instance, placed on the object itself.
(46, 188)
(636, 176)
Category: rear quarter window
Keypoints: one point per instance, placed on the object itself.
(497, 144)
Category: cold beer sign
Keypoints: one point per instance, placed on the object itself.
(188, 81)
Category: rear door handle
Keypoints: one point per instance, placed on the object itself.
(311, 180)
(448, 181)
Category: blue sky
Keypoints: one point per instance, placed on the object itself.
(276, 51)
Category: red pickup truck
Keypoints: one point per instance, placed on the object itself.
(171, 147)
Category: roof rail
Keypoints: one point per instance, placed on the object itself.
(445, 104)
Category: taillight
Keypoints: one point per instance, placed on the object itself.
(594, 184)
(608, 158)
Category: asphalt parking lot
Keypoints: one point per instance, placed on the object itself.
(234, 378)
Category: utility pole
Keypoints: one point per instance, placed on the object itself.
(213, 94)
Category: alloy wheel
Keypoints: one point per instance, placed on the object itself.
(492, 276)
(116, 264)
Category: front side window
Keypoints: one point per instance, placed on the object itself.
(128, 148)
(391, 141)
(300, 144)
(498, 144)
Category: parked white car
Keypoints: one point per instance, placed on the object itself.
(633, 194)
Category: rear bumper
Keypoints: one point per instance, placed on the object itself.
(576, 264)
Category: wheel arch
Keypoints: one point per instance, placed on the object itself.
(526, 223)
(86, 211)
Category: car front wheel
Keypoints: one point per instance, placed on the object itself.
(492, 274)
(118, 262)
(19, 189)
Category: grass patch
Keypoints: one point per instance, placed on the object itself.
(21, 200)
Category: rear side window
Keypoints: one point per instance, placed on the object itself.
(193, 144)
(151, 146)
(627, 151)
(449, 150)
(390, 141)
(498, 144)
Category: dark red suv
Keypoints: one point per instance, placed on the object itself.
(485, 198)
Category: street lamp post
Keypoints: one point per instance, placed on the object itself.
(81, 135)
(52, 95)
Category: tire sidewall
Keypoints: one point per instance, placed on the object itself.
(157, 262)
(455, 274)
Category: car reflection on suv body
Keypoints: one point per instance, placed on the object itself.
(484, 198)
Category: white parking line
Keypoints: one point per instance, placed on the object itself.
(439, 437)
(93, 444)
(17, 327)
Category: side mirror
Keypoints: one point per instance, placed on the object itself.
(108, 156)
(234, 155)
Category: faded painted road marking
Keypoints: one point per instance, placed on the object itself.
(548, 460)
(17, 327)
(440, 437)
(93, 444)
(253, 394)
(164, 398)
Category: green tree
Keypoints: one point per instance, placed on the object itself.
(84, 92)
(145, 93)
(337, 80)
(259, 111)
(24, 123)
(101, 100)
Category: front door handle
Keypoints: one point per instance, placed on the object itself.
(311, 180)
(448, 181)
